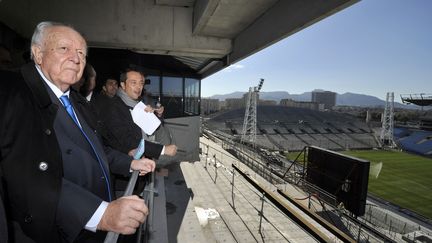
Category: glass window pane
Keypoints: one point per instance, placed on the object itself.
(153, 87)
(172, 96)
(192, 96)
(152, 90)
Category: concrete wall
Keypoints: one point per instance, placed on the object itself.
(143, 25)
(185, 137)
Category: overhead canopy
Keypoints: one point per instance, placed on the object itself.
(204, 35)
(417, 99)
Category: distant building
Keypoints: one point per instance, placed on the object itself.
(267, 102)
(209, 106)
(245, 97)
(327, 98)
(300, 104)
(234, 103)
(222, 105)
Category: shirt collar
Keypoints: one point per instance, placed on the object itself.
(58, 93)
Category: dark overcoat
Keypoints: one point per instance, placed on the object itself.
(51, 187)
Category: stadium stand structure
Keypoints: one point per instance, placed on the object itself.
(415, 141)
(291, 129)
(399, 132)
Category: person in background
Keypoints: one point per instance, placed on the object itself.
(87, 83)
(126, 134)
(110, 87)
(101, 102)
(56, 172)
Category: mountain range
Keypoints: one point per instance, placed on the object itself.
(345, 99)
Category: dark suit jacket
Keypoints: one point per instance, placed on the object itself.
(101, 103)
(3, 221)
(52, 185)
(123, 134)
(4, 75)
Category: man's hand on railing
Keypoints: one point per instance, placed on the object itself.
(170, 150)
(124, 215)
(143, 165)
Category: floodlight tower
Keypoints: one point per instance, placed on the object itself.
(387, 122)
(250, 119)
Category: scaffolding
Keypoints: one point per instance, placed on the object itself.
(250, 118)
(386, 137)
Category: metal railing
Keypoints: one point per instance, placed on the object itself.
(144, 230)
(213, 162)
(148, 194)
(391, 229)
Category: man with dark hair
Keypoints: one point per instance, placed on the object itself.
(102, 101)
(126, 134)
(56, 171)
(102, 104)
(110, 87)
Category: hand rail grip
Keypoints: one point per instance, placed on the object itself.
(112, 237)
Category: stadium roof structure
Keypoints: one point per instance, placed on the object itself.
(201, 37)
(417, 99)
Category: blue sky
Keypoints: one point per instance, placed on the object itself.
(372, 47)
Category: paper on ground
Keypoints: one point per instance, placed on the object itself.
(205, 214)
(147, 121)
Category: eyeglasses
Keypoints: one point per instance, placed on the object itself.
(66, 50)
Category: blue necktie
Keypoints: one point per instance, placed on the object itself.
(70, 110)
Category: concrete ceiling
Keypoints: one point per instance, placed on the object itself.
(226, 19)
(216, 33)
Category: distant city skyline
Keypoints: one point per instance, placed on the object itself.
(372, 47)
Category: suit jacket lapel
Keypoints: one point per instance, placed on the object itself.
(95, 141)
(79, 107)
(36, 84)
(67, 125)
(45, 97)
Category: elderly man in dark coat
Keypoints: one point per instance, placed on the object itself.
(56, 172)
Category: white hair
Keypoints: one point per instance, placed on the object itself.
(40, 31)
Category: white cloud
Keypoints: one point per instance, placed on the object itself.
(233, 67)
